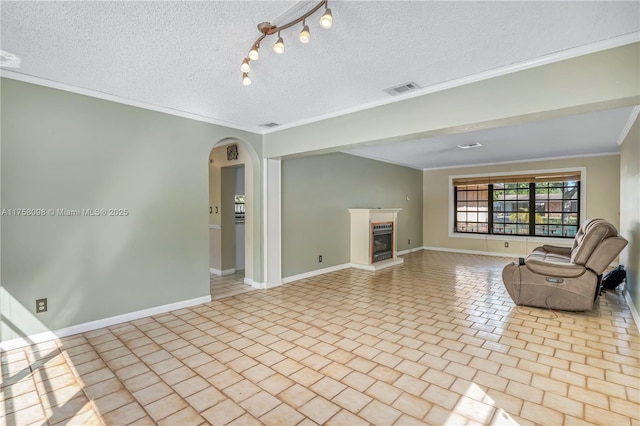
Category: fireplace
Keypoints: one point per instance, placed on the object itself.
(381, 241)
(373, 238)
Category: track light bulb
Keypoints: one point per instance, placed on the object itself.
(279, 46)
(253, 53)
(304, 36)
(245, 66)
(327, 19)
(245, 79)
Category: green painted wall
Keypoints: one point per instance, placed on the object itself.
(317, 193)
(67, 151)
(630, 209)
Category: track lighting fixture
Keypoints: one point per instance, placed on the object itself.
(267, 29)
(253, 53)
(279, 46)
(327, 19)
(304, 36)
(245, 68)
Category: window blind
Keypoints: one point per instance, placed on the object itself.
(523, 178)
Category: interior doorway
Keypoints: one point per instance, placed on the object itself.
(230, 223)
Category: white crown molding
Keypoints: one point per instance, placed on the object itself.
(497, 72)
(627, 127)
(13, 75)
(566, 157)
(94, 325)
(543, 60)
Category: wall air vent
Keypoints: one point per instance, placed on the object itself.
(403, 88)
(272, 124)
(470, 145)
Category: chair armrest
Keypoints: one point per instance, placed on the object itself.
(565, 251)
(555, 269)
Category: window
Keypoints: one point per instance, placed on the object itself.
(546, 205)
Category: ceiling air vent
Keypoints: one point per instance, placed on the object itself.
(272, 124)
(403, 88)
(470, 145)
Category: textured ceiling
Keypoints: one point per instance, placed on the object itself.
(584, 134)
(185, 56)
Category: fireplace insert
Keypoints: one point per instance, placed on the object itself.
(381, 241)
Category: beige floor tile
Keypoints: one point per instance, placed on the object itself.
(319, 409)
(186, 416)
(206, 398)
(379, 413)
(352, 400)
(260, 403)
(412, 405)
(152, 393)
(282, 415)
(223, 413)
(398, 346)
(296, 396)
(165, 407)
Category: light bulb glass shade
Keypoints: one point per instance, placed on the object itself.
(304, 36)
(327, 19)
(253, 54)
(245, 79)
(245, 66)
(279, 46)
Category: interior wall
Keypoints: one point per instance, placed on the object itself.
(630, 210)
(317, 193)
(602, 192)
(67, 151)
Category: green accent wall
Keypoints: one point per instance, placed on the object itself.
(317, 192)
(62, 150)
(630, 209)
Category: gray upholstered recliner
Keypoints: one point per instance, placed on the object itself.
(565, 278)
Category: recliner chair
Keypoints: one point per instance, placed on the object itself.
(565, 278)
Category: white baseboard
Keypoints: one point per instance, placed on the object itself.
(379, 265)
(315, 273)
(411, 250)
(480, 252)
(105, 322)
(632, 308)
(222, 273)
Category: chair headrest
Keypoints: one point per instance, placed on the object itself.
(591, 233)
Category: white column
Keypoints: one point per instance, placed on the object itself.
(273, 242)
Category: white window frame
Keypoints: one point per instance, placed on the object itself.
(513, 237)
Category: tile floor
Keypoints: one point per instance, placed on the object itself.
(228, 285)
(434, 341)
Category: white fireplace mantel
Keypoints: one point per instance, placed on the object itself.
(361, 220)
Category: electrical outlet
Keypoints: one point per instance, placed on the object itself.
(320, 258)
(41, 305)
(506, 244)
(409, 242)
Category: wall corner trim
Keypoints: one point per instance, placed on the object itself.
(632, 308)
(101, 323)
(627, 127)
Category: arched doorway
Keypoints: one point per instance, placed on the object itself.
(232, 218)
